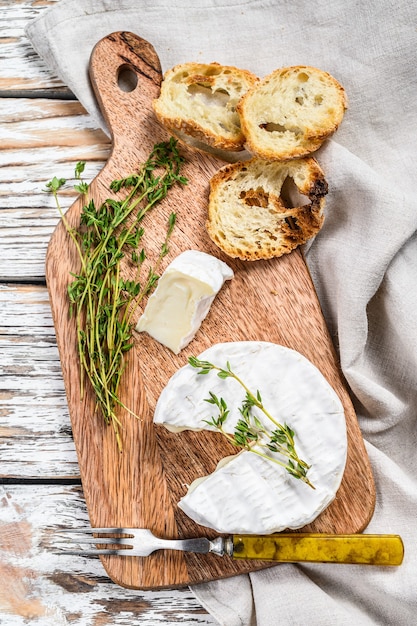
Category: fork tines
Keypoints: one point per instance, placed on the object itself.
(76, 537)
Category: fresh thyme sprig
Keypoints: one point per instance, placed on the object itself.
(101, 299)
(249, 429)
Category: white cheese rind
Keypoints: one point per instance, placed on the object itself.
(248, 494)
(183, 298)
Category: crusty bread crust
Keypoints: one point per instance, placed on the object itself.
(257, 208)
(291, 112)
(199, 100)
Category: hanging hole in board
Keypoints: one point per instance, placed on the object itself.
(127, 79)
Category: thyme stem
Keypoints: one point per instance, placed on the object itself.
(103, 300)
(249, 430)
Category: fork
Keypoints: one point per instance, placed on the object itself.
(281, 547)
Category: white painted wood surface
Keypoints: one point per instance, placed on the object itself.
(38, 587)
(42, 134)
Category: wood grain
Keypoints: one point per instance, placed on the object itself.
(44, 138)
(269, 300)
(21, 69)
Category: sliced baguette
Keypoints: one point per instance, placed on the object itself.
(262, 209)
(199, 100)
(291, 112)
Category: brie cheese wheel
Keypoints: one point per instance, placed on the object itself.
(183, 297)
(247, 493)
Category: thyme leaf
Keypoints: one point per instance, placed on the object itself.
(101, 299)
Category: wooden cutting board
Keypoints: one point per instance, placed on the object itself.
(266, 300)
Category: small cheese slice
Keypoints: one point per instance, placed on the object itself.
(183, 297)
(246, 493)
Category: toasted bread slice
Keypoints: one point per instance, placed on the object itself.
(291, 112)
(261, 209)
(199, 100)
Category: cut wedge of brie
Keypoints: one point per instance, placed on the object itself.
(246, 493)
(183, 297)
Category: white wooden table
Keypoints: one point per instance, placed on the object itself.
(44, 131)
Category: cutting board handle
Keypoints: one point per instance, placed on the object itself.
(119, 64)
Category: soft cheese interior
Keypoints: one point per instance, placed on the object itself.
(246, 493)
(183, 298)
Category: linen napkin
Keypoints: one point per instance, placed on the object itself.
(363, 261)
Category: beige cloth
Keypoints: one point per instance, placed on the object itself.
(363, 262)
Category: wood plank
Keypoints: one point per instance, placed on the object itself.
(40, 139)
(20, 110)
(144, 493)
(21, 69)
(35, 433)
(54, 590)
(41, 123)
